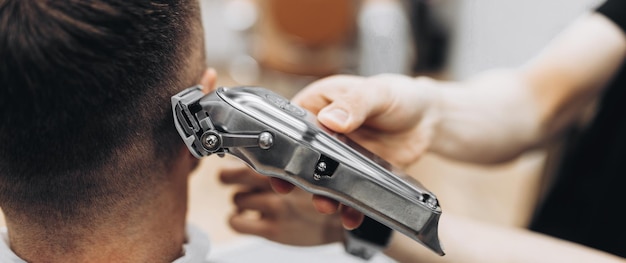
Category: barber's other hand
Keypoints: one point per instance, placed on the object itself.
(288, 219)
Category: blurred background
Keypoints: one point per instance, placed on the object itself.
(283, 45)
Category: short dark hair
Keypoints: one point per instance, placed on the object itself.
(80, 83)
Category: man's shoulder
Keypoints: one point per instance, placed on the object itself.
(196, 250)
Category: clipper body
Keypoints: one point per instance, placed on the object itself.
(279, 139)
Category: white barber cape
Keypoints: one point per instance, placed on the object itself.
(195, 250)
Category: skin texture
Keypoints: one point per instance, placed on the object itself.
(490, 118)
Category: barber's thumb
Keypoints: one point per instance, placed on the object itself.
(336, 119)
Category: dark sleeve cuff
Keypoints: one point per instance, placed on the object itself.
(615, 10)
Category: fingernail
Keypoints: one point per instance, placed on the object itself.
(351, 218)
(338, 116)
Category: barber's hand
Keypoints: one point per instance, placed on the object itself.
(288, 219)
(391, 115)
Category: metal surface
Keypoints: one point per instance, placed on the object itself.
(279, 139)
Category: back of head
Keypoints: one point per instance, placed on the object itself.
(84, 95)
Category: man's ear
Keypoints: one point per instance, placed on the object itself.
(208, 80)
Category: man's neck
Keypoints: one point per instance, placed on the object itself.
(153, 233)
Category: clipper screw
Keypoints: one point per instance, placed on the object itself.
(431, 202)
(324, 168)
(210, 141)
(321, 166)
(266, 140)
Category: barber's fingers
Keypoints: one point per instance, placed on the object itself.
(254, 226)
(240, 174)
(325, 205)
(267, 203)
(343, 103)
(320, 93)
(281, 186)
(208, 80)
(350, 217)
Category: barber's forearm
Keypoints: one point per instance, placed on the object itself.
(469, 241)
(490, 118)
(499, 114)
(573, 70)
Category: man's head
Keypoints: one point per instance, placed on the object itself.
(84, 102)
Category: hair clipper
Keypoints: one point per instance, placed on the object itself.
(279, 139)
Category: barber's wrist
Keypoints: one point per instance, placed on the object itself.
(367, 240)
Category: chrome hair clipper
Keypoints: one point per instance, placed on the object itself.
(279, 139)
